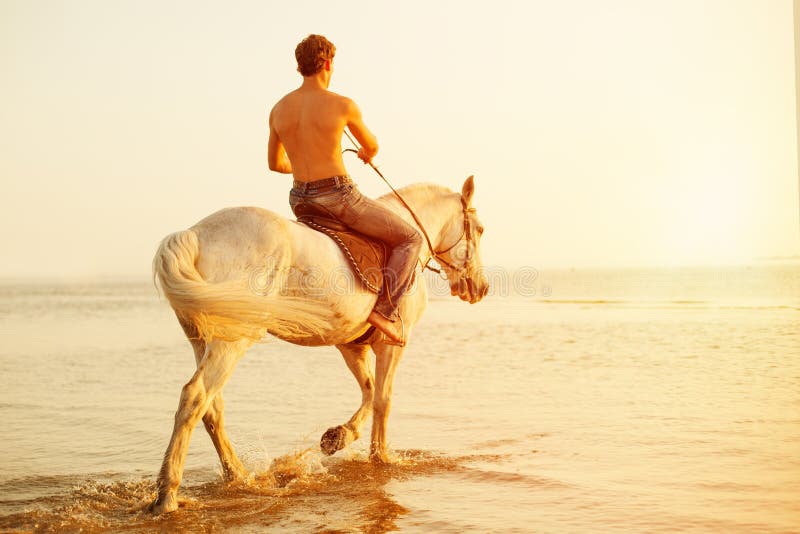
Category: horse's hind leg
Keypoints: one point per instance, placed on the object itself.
(339, 437)
(197, 397)
(213, 420)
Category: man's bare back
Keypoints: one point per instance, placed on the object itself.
(306, 129)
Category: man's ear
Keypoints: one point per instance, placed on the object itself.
(327, 64)
(467, 190)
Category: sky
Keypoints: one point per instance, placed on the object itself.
(614, 133)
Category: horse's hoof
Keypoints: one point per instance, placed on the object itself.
(233, 477)
(163, 504)
(234, 473)
(334, 439)
(379, 458)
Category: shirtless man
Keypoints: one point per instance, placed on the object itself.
(305, 134)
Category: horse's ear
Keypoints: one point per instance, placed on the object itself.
(467, 190)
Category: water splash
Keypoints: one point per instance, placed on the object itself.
(301, 490)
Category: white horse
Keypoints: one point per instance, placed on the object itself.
(241, 273)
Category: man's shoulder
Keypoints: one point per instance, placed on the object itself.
(288, 96)
(344, 100)
(333, 94)
(332, 102)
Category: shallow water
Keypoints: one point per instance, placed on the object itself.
(657, 400)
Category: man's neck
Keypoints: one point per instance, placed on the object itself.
(316, 82)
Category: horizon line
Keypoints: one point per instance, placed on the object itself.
(130, 276)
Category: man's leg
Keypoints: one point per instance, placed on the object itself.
(373, 219)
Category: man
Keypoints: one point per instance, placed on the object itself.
(305, 133)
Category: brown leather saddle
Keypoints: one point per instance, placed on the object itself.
(366, 256)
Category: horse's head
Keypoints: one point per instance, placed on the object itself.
(462, 260)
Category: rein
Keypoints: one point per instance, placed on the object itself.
(433, 253)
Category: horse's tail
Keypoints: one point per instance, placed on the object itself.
(228, 310)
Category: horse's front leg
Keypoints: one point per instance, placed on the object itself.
(386, 359)
(196, 398)
(339, 437)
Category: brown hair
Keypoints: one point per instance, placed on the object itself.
(311, 54)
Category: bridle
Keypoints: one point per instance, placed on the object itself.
(434, 254)
(466, 232)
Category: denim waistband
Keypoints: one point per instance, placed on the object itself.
(321, 185)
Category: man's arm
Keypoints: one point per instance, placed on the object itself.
(277, 159)
(368, 142)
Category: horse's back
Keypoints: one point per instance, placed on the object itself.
(237, 242)
(242, 225)
(270, 253)
(233, 240)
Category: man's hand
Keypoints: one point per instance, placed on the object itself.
(365, 155)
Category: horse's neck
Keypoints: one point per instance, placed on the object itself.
(435, 206)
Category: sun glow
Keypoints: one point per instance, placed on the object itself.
(707, 217)
(590, 124)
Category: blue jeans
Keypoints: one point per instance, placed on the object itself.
(344, 203)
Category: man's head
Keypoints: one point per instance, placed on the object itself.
(312, 53)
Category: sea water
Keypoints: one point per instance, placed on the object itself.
(655, 400)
